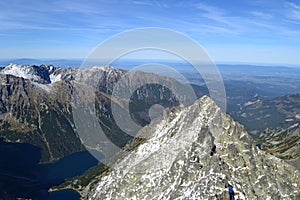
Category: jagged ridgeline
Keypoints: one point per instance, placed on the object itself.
(196, 153)
(35, 106)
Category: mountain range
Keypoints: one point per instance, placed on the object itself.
(36, 105)
(192, 151)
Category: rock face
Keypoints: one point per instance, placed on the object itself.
(197, 152)
(36, 105)
(37, 111)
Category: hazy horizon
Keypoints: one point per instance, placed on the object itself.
(78, 62)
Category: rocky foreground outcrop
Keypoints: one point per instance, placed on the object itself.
(197, 152)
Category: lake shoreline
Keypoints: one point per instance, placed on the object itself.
(53, 189)
(23, 176)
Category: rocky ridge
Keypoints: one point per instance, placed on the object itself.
(197, 152)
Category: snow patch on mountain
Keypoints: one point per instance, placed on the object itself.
(249, 103)
(22, 71)
(55, 78)
(39, 74)
(44, 87)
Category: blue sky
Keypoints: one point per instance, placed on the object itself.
(231, 31)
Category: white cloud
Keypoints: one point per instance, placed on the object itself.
(293, 11)
(214, 13)
(150, 3)
(262, 15)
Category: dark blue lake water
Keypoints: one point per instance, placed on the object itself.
(21, 175)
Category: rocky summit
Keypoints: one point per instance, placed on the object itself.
(196, 152)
